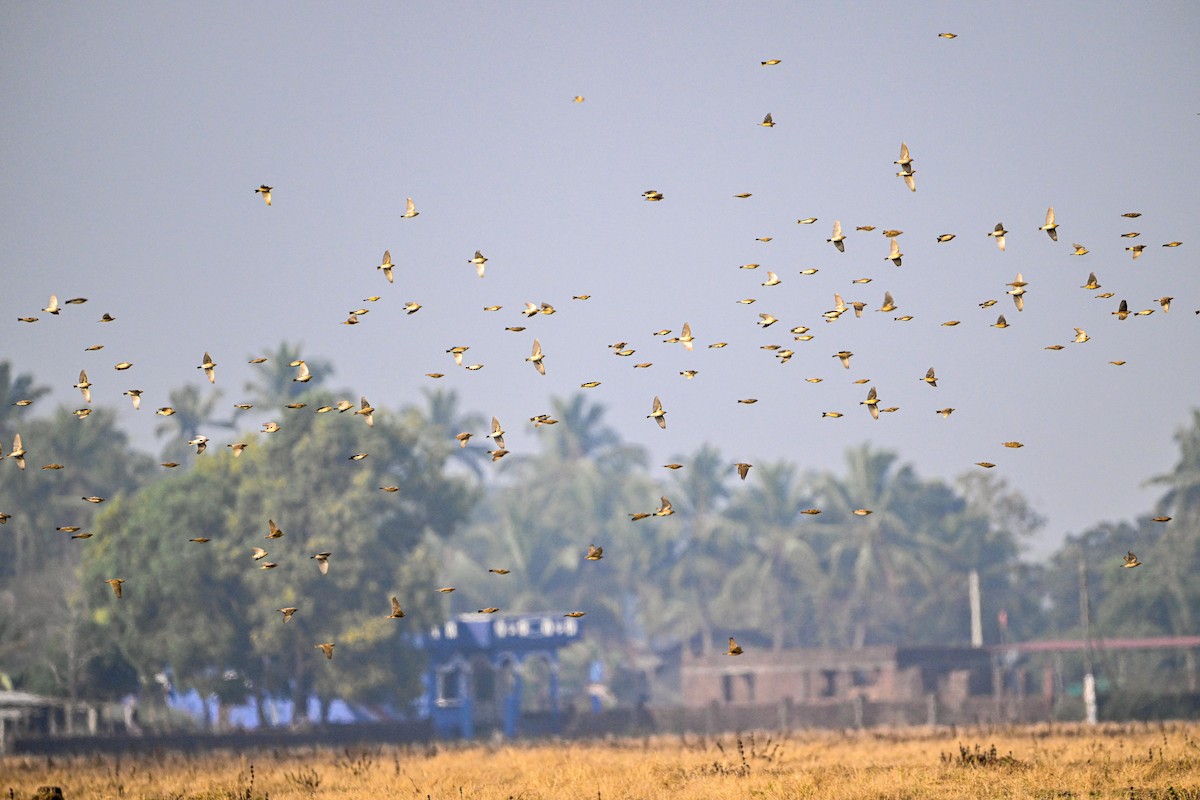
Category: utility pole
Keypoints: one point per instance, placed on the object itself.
(976, 613)
(1085, 618)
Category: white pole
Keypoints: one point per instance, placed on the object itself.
(976, 613)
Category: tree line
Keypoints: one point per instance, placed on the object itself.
(747, 558)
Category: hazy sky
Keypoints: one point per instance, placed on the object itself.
(133, 135)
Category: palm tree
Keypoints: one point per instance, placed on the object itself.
(779, 577)
(441, 420)
(13, 389)
(878, 559)
(1181, 545)
(582, 434)
(275, 386)
(700, 556)
(194, 412)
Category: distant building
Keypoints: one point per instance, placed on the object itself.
(494, 672)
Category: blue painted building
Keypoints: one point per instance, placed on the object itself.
(492, 672)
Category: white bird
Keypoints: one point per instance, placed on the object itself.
(998, 234)
(1051, 228)
(838, 240)
(209, 366)
(479, 260)
(387, 266)
(536, 357)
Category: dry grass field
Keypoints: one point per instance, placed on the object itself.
(1133, 762)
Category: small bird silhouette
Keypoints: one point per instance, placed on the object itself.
(327, 649)
(84, 386)
(115, 583)
(872, 403)
(536, 357)
(894, 255)
(210, 368)
(837, 239)
(387, 266)
(265, 191)
(658, 414)
(735, 649)
(997, 233)
(1131, 561)
(1051, 227)
(478, 261)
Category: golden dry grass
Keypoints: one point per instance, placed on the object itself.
(1132, 762)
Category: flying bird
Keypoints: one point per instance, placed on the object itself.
(872, 403)
(410, 210)
(735, 649)
(397, 612)
(767, 122)
(685, 336)
(322, 562)
(658, 414)
(387, 266)
(497, 434)
(365, 411)
(115, 583)
(838, 240)
(894, 255)
(287, 612)
(1051, 227)
(84, 386)
(479, 261)
(1131, 561)
(930, 378)
(997, 233)
(327, 647)
(210, 368)
(265, 191)
(743, 469)
(594, 553)
(537, 357)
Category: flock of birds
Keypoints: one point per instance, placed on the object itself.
(1016, 289)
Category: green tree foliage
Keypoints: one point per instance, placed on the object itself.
(46, 640)
(274, 385)
(209, 609)
(539, 525)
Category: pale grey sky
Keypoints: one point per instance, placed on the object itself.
(133, 135)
